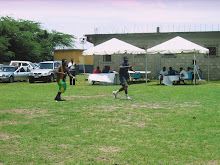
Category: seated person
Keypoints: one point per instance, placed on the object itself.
(162, 74)
(106, 69)
(171, 71)
(183, 75)
(97, 70)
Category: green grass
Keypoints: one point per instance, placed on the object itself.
(162, 125)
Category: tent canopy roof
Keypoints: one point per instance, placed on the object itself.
(114, 46)
(177, 45)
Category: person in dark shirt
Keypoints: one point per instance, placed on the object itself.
(123, 74)
(106, 69)
(171, 71)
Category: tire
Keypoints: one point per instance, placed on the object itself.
(51, 78)
(11, 79)
(31, 80)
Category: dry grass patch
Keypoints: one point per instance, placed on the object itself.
(8, 136)
(109, 149)
(71, 98)
(35, 112)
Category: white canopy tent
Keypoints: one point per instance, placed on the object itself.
(178, 45)
(114, 47)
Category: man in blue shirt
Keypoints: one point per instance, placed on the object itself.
(123, 73)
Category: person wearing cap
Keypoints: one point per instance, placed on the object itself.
(183, 75)
(61, 72)
(123, 73)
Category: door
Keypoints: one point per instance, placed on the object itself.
(21, 74)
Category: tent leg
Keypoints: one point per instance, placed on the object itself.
(146, 67)
(208, 67)
(194, 70)
(84, 69)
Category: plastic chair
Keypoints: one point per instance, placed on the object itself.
(201, 76)
(137, 75)
(189, 76)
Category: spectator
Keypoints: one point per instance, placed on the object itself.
(183, 75)
(97, 70)
(162, 74)
(194, 71)
(72, 67)
(106, 69)
(171, 71)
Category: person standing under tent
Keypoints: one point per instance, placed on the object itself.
(123, 73)
(72, 67)
(61, 72)
(196, 69)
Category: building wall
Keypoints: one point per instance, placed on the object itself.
(156, 62)
(78, 58)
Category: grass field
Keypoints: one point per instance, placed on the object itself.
(162, 125)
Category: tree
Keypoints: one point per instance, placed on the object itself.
(25, 40)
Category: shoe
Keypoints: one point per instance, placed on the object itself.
(115, 94)
(128, 98)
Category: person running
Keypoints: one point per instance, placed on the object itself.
(123, 73)
(61, 72)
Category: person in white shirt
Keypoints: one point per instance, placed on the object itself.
(72, 67)
(183, 75)
(162, 74)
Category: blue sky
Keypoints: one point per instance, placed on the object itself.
(79, 17)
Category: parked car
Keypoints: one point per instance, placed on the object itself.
(24, 64)
(45, 72)
(13, 73)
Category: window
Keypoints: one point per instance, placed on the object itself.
(107, 58)
(212, 51)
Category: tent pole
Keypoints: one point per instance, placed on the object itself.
(194, 70)
(146, 67)
(84, 69)
(208, 67)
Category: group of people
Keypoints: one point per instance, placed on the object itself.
(106, 69)
(184, 75)
(63, 70)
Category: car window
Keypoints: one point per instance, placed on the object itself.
(7, 69)
(56, 64)
(21, 70)
(46, 65)
(32, 65)
(24, 64)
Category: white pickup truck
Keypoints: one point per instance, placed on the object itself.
(45, 72)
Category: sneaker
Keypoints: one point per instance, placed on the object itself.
(115, 94)
(128, 98)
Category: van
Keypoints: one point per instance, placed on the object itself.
(24, 64)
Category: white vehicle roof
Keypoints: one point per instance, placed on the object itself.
(20, 61)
